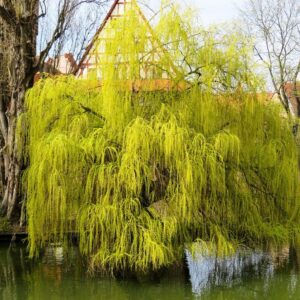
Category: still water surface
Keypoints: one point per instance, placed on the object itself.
(57, 276)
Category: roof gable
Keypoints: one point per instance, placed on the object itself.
(155, 61)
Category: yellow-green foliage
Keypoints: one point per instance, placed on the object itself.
(140, 174)
(138, 196)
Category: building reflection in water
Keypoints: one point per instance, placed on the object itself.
(208, 272)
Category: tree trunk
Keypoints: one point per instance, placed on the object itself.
(284, 98)
(296, 94)
(20, 79)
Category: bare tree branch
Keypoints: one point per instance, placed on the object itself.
(275, 26)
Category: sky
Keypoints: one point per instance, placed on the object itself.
(210, 11)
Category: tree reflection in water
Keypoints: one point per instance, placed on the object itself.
(62, 275)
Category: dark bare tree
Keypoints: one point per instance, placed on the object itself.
(275, 27)
(21, 18)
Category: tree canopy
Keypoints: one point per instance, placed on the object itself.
(139, 174)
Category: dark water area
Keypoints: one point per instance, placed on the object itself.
(60, 275)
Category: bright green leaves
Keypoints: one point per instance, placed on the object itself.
(138, 192)
(139, 172)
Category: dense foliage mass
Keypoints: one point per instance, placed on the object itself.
(141, 174)
(140, 180)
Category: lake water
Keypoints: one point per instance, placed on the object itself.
(254, 275)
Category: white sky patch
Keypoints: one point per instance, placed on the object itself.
(210, 11)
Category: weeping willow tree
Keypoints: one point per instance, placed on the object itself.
(140, 174)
